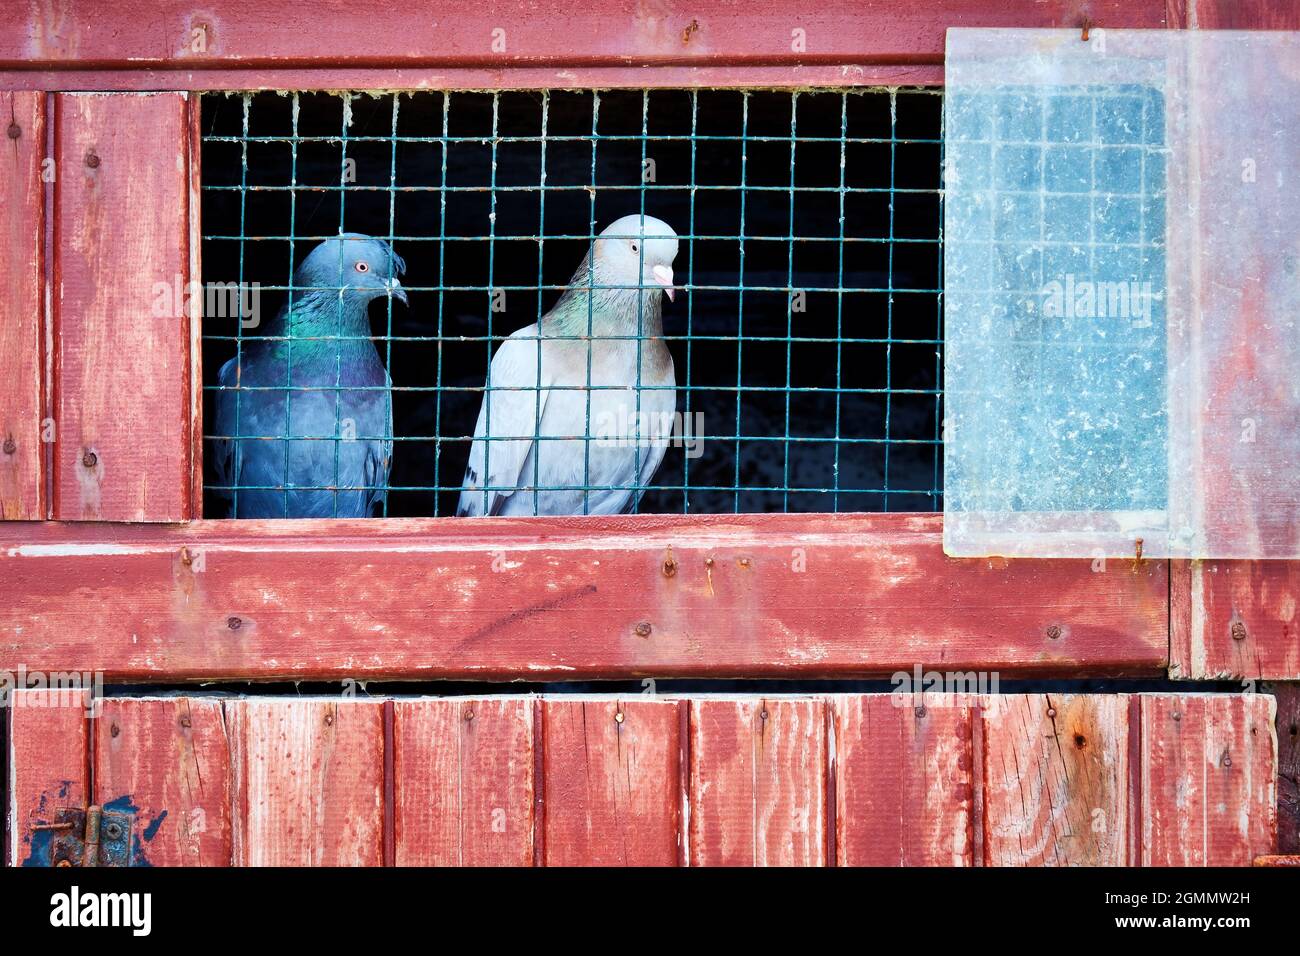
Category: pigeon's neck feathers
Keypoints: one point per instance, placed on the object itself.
(321, 313)
(587, 309)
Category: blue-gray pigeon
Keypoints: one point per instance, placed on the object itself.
(564, 428)
(336, 410)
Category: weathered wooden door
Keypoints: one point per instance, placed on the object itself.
(844, 780)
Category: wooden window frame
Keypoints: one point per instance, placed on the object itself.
(166, 597)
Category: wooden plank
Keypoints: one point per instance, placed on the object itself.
(122, 388)
(757, 782)
(1235, 619)
(667, 34)
(1287, 728)
(47, 767)
(463, 781)
(904, 782)
(611, 772)
(308, 781)
(1238, 14)
(1209, 779)
(1055, 780)
(168, 761)
(22, 345)
(562, 599)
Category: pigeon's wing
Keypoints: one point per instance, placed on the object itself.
(379, 457)
(514, 404)
(225, 463)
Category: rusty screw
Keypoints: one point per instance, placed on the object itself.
(469, 715)
(1238, 631)
(670, 567)
(186, 722)
(90, 459)
(92, 159)
(919, 710)
(618, 716)
(234, 623)
(64, 862)
(113, 831)
(1178, 715)
(1051, 712)
(643, 629)
(1054, 632)
(1227, 760)
(744, 562)
(114, 730)
(10, 446)
(15, 131)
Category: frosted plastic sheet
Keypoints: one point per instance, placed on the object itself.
(1122, 293)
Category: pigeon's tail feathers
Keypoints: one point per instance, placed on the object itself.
(508, 422)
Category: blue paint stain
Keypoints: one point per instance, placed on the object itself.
(151, 830)
(122, 805)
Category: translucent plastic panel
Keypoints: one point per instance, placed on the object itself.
(1122, 294)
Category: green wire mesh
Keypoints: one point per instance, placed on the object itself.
(807, 331)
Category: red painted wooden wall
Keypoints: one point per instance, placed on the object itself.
(103, 566)
(849, 780)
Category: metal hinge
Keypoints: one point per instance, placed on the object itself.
(90, 837)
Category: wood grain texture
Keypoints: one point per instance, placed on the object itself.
(1235, 14)
(47, 767)
(1287, 727)
(168, 759)
(570, 600)
(308, 781)
(122, 399)
(904, 783)
(611, 777)
(22, 330)
(463, 782)
(1209, 779)
(670, 33)
(757, 782)
(1055, 780)
(1235, 619)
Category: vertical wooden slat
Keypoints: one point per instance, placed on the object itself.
(122, 261)
(904, 788)
(1237, 619)
(169, 761)
(1055, 780)
(22, 266)
(308, 782)
(47, 766)
(1209, 779)
(610, 772)
(757, 782)
(1287, 725)
(463, 782)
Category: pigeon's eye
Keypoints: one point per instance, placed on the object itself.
(363, 267)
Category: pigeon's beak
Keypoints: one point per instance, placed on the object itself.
(396, 291)
(664, 276)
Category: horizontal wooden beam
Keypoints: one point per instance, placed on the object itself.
(561, 598)
(778, 42)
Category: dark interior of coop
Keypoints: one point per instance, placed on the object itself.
(806, 337)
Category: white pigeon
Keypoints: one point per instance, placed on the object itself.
(568, 431)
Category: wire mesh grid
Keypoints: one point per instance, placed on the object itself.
(805, 337)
